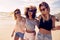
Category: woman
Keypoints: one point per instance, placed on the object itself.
(19, 29)
(31, 22)
(46, 22)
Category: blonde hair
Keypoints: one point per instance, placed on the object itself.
(17, 11)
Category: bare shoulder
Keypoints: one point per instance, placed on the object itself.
(36, 20)
(23, 18)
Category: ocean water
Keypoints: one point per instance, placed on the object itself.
(7, 24)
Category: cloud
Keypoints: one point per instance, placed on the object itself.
(56, 4)
(11, 5)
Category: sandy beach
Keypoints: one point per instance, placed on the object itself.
(7, 21)
(7, 25)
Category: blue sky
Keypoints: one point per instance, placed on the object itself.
(11, 5)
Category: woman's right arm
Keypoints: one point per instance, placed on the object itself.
(13, 33)
(13, 30)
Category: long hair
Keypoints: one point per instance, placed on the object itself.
(44, 4)
(26, 12)
(33, 9)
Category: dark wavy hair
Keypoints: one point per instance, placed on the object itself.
(44, 4)
(17, 11)
(32, 9)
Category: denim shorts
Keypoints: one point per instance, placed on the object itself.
(19, 34)
(41, 36)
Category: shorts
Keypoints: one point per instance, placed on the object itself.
(41, 36)
(29, 36)
(19, 34)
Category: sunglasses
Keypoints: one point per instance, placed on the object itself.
(30, 10)
(17, 12)
(42, 9)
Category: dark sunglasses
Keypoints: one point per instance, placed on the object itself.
(42, 9)
(30, 10)
(17, 12)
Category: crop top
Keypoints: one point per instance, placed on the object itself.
(46, 24)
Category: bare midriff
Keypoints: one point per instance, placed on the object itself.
(44, 31)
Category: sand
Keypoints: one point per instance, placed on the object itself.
(7, 25)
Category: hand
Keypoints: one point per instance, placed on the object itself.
(12, 35)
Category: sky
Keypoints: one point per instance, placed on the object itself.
(11, 5)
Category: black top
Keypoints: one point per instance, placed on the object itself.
(46, 24)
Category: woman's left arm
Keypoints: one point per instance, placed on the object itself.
(53, 22)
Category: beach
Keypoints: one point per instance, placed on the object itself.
(7, 25)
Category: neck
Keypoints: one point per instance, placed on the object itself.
(30, 18)
(19, 18)
(45, 17)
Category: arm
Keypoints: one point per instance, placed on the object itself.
(13, 30)
(53, 23)
(13, 33)
(37, 22)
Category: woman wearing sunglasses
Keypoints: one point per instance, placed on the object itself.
(19, 29)
(46, 22)
(31, 22)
